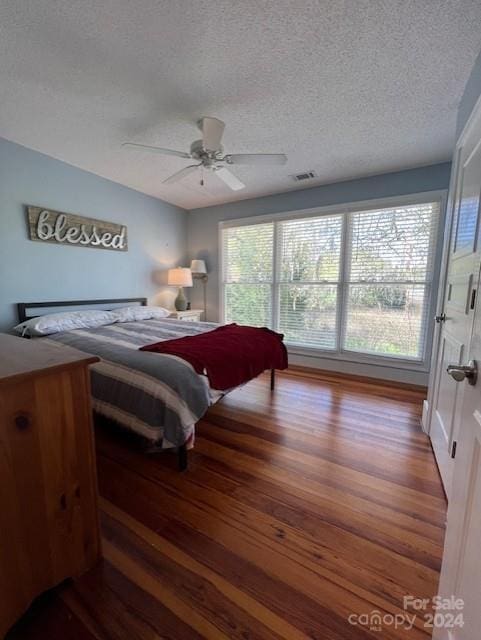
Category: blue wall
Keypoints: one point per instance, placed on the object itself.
(31, 271)
(471, 95)
(203, 223)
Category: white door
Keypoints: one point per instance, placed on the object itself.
(459, 300)
(460, 586)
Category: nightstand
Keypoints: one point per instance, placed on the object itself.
(192, 315)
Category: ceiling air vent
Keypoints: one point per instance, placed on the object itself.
(306, 175)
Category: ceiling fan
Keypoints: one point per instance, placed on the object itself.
(210, 154)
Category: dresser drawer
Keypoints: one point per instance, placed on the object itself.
(192, 315)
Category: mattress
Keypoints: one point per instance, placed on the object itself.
(160, 397)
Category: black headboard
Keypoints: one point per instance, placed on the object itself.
(24, 307)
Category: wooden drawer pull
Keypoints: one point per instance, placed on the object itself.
(22, 421)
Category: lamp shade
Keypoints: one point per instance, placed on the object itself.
(180, 277)
(198, 266)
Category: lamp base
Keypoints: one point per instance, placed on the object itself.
(180, 302)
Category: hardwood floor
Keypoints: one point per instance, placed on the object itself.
(299, 508)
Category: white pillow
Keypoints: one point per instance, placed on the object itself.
(131, 314)
(66, 321)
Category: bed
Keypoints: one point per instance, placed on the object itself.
(158, 397)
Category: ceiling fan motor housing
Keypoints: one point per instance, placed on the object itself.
(199, 153)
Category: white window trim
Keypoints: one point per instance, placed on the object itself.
(392, 362)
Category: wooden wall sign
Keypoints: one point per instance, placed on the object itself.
(47, 225)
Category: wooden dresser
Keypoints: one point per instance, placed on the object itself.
(49, 528)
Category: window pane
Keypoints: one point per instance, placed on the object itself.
(248, 304)
(307, 315)
(467, 209)
(393, 244)
(386, 320)
(248, 253)
(310, 249)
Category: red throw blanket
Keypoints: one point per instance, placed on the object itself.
(230, 355)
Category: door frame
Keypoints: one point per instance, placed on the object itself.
(448, 230)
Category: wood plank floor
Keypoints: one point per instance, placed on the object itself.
(299, 508)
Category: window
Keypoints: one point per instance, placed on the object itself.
(309, 268)
(358, 281)
(388, 282)
(248, 274)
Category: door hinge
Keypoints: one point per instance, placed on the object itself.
(473, 298)
(453, 449)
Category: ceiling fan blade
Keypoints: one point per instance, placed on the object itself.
(256, 158)
(145, 147)
(229, 178)
(212, 130)
(181, 174)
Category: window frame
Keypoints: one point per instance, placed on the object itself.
(340, 353)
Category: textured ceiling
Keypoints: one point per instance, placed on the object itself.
(344, 87)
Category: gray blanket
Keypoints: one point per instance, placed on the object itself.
(158, 396)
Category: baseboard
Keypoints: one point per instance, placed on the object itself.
(387, 372)
(324, 374)
(424, 417)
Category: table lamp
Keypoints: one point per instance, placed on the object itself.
(180, 277)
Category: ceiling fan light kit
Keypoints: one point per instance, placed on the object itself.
(209, 152)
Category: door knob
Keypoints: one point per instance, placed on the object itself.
(460, 372)
(441, 318)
